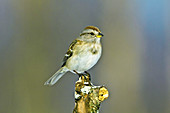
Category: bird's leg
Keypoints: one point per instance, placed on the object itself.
(88, 75)
(85, 74)
(79, 74)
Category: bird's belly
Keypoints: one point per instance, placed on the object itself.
(83, 62)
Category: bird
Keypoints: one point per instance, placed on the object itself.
(83, 53)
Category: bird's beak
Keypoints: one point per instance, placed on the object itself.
(99, 35)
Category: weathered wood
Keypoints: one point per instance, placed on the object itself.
(87, 96)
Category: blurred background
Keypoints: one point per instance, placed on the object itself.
(135, 65)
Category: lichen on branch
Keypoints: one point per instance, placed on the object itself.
(87, 96)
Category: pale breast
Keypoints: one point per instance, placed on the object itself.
(85, 57)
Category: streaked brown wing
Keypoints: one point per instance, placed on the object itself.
(69, 53)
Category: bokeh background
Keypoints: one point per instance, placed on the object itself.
(135, 65)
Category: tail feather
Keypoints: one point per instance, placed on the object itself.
(52, 80)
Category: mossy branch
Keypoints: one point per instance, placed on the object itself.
(87, 96)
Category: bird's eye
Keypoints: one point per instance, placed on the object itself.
(92, 33)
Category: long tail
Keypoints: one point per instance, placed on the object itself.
(52, 80)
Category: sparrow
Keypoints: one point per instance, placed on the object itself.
(83, 53)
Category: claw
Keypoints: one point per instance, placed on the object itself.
(86, 75)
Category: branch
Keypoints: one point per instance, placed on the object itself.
(87, 96)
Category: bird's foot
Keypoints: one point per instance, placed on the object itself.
(86, 75)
